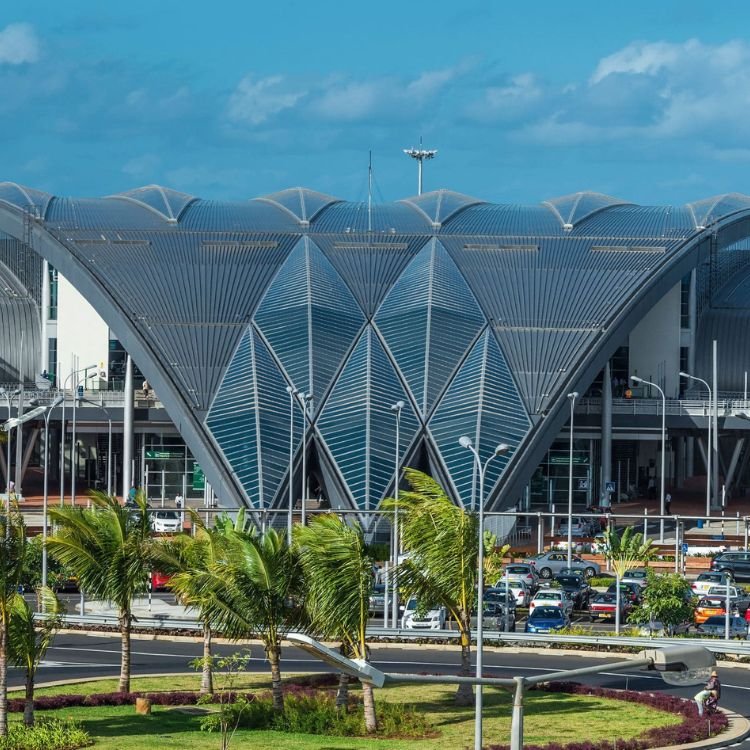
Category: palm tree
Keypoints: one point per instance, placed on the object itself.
(623, 553)
(192, 562)
(251, 591)
(29, 639)
(12, 554)
(339, 581)
(443, 548)
(106, 548)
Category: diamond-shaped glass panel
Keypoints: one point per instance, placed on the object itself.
(439, 205)
(164, 201)
(302, 203)
(27, 199)
(712, 209)
(574, 208)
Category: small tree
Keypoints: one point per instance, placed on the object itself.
(624, 553)
(443, 547)
(29, 639)
(667, 599)
(494, 555)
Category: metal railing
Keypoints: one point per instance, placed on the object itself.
(674, 407)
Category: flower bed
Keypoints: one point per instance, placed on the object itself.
(693, 728)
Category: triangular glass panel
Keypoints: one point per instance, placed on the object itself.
(166, 202)
(709, 210)
(358, 425)
(483, 404)
(27, 199)
(249, 421)
(301, 203)
(309, 318)
(429, 320)
(440, 205)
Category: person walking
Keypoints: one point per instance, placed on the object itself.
(667, 503)
(708, 698)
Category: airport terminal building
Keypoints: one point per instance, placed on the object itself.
(297, 333)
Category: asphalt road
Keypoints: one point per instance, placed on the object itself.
(74, 656)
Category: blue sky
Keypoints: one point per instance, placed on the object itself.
(646, 101)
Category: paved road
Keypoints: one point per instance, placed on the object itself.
(74, 656)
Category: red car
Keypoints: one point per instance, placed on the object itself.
(159, 580)
(604, 606)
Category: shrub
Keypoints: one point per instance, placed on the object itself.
(47, 734)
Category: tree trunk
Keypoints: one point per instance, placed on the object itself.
(273, 653)
(465, 694)
(368, 700)
(124, 686)
(3, 680)
(28, 706)
(207, 677)
(342, 694)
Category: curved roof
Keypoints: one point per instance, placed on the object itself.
(709, 210)
(480, 317)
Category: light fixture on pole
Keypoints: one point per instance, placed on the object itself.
(305, 402)
(45, 523)
(292, 391)
(572, 397)
(420, 154)
(465, 442)
(636, 379)
(709, 447)
(397, 407)
(8, 398)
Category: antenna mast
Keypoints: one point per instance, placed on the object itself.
(369, 194)
(420, 154)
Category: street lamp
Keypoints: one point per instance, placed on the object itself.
(420, 154)
(305, 402)
(292, 391)
(572, 397)
(8, 397)
(709, 447)
(636, 379)
(397, 407)
(55, 403)
(465, 442)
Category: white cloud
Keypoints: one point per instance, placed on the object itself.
(142, 167)
(18, 44)
(256, 100)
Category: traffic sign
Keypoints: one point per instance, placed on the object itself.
(609, 486)
(684, 548)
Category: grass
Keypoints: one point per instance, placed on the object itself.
(549, 717)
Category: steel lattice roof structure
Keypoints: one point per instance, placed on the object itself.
(480, 317)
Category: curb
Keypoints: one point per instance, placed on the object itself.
(738, 730)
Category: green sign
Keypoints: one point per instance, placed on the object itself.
(199, 478)
(577, 459)
(163, 455)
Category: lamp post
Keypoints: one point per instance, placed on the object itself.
(45, 524)
(292, 391)
(305, 402)
(572, 397)
(465, 442)
(709, 447)
(397, 407)
(636, 379)
(8, 397)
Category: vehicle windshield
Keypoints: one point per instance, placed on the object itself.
(712, 577)
(606, 598)
(517, 570)
(637, 574)
(572, 582)
(721, 620)
(548, 595)
(711, 603)
(546, 613)
(378, 588)
(167, 514)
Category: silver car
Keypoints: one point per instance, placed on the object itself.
(716, 626)
(549, 564)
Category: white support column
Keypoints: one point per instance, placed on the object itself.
(127, 429)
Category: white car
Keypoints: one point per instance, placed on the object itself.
(639, 577)
(580, 527)
(433, 619)
(552, 598)
(166, 521)
(522, 572)
(518, 588)
(703, 583)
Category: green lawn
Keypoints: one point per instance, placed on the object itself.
(548, 716)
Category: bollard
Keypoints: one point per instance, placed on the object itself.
(143, 706)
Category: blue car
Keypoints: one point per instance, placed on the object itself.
(547, 620)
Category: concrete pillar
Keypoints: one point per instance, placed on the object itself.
(127, 429)
(606, 457)
(716, 500)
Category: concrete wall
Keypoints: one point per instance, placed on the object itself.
(82, 336)
(655, 345)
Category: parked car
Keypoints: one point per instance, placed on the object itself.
(518, 589)
(709, 606)
(552, 598)
(639, 577)
(716, 626)
(159, 580)
(604, 607)
(495, 605)
(576, 588)
(705, 581)
(547, 620)
(522, 572)
(377, 600)
(737, 564)
(166, 521)
(628, 590)
(548, 564)
(580, 527)
(738, 599)
(433, 618)
(657, 629)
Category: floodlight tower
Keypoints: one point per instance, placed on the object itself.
(420, 154)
